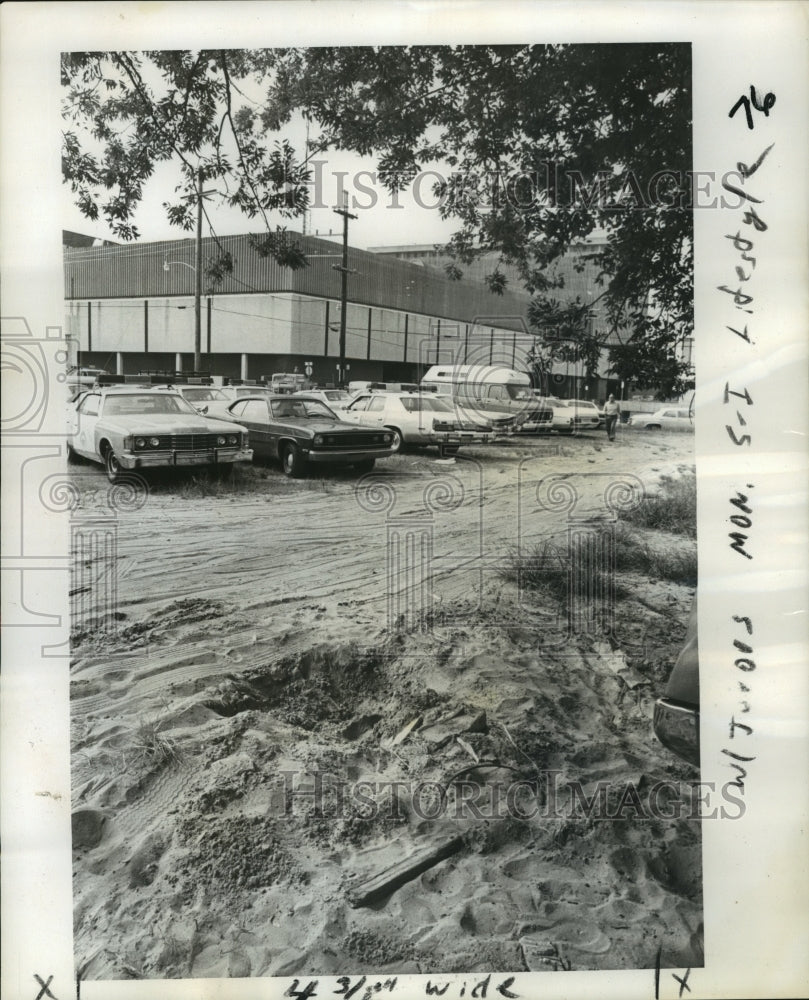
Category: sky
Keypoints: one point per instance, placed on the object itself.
(411, 217)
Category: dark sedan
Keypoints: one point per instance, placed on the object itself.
(676, 714)
(302, 430)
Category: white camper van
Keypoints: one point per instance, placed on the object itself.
(500, 395)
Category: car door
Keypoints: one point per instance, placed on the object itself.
(87, 414)
(357, 412)
(254, 415)
(374, 415)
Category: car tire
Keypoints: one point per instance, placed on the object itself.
(653, 427)
(366, 465)
(112, 466)
(292, 462)
(397, 443)
(72, 456)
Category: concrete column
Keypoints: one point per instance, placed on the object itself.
(178, 362)
(119, 363)
(244, 366)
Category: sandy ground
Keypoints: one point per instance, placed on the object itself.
(289, 697)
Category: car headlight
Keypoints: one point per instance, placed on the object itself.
(154, 442)
(232, 439)
(221, 440)
(318, 439)
(140, 442)
(387, 438)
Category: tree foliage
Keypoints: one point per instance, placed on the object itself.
(545, 146)
(128, 112)
(541, 147)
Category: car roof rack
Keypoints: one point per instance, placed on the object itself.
(157, 377)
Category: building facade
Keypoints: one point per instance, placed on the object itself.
(131, 308)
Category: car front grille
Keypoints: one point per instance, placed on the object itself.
(359, 439)
(196, 442)
(540, 416)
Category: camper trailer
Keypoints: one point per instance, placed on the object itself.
(500, 395)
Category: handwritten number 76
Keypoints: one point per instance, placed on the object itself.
(750, 103)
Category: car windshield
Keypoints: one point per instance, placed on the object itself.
(301, 409)
(145, 403)
(337, 395)
(414, 404)
(203, 395)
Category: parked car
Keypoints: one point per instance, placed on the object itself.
(356, 387)
(140, 427)
(547, 414)
(676, 714)
(670, 418)
(586, 415)
(289, 382)
(204, 398)
(417, 418)
(538, 415)
(79, 377)
(214, 401)
(302, 430)
(335, 399)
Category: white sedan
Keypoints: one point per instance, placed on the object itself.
(416, 418)
(215, 400)
(670, 418)
(336, 399)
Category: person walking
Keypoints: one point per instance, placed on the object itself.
(612, 411)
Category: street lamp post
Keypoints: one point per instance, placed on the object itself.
(343, 268)
(196, 267)
(198, 279)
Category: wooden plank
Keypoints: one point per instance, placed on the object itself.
(404, 733)
(404, 871)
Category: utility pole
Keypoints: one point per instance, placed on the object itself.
(343, 268)
(198, 280)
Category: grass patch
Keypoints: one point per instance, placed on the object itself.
(677, 564)
(152, 749)
(675, 510)
(546, 567)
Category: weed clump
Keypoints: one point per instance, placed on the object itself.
(674, 510)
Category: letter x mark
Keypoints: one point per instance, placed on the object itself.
(44, 992)
(683, 982)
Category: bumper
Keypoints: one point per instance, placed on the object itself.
(347, 455)
(537, 426)
(677, 728)
(158, 459)
(462, 437)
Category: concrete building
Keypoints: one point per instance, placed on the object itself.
(131, 308)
